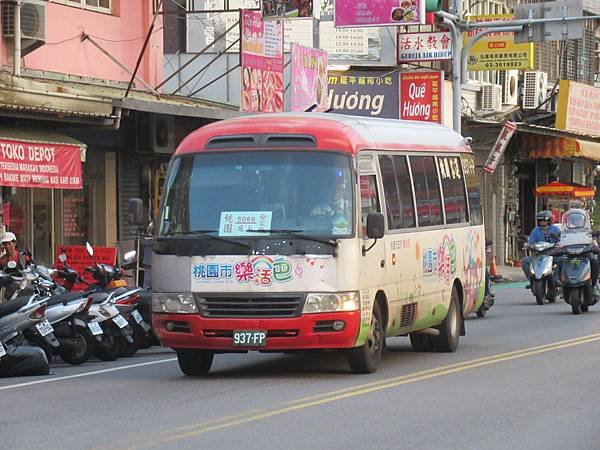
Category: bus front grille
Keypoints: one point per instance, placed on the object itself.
(250, 306)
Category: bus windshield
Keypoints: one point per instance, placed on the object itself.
(302, 192)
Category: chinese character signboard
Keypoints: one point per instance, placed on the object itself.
(262, 63)
(26, 164)
(578, 108)
(364, 93)
(421, 96)
(497, 51)
(309, 78)
(426, 46)
(365, 13)
(78, 259)
(498, 149)
(293, 8)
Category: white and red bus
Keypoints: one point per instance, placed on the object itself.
(285, 232)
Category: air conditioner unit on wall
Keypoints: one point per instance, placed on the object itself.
(491, 97)
(162, 133)
(33, 23)
(535, 85)
(509, 80)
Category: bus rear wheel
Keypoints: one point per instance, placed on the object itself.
(195, 362)
(366, 358)
(447, 340)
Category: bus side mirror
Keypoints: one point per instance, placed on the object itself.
(375, 225)
(135, 212)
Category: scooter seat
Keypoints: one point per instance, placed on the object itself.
(66, 298)
(12, 306)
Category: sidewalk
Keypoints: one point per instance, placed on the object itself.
(510, 274)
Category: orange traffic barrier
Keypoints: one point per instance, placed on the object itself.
(493, 267)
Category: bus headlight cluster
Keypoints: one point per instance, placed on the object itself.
(331, 302)
(174, 303)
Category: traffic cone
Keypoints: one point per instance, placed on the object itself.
(493, 268)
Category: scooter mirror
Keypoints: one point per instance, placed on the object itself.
(89, 249)
(62, 257)
(129, 256)
(11, 264)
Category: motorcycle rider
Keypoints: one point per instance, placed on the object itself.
(545, 231)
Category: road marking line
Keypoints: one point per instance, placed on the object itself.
(86, 374)
(308, 402)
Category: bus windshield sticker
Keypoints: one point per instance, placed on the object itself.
(237, 223)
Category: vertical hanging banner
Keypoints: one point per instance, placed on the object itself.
(421, 96)
(294, 8)
(497, 151)
(361, 13)
(309, 78)
(262, 63)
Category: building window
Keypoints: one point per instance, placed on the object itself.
(96, 5)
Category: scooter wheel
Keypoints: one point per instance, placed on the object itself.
(481, 313)
(108, 351)
(127, 349)
(83, 348)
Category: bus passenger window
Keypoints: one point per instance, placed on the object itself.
(472, 183)
(398, 193)
(453, 189)
(427, 191)
(369, 200)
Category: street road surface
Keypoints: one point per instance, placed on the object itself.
(524, 377)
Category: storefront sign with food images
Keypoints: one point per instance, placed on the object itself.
(421, 96)
(363, 93)
(262, 63)
(27, 164)
(293, 8)
(578, 108)
(309, 78)
(497, 51)
(360, 13)
(424, 46)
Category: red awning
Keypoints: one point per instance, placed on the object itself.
(572, 190)
(40, 158)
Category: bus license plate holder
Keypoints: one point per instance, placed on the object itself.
(249, 338)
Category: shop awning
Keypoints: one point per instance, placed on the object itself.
(544, 142)
(571, 190)
(32, 157)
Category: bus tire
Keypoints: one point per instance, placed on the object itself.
(447, 340)
(195, 363)
(421, 342)
(366, 358)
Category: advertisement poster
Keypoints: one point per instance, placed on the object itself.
(78, 259)
(293, 8)
(353, 13)
(54, 166)
(578, 108)
(424, 46)
(421, 96)
(262, 63)
(363, 93)
(497, 51)
(309, 78)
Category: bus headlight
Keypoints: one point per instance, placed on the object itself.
(331, 302)
(174, 303)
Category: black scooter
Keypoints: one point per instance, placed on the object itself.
(576, 277)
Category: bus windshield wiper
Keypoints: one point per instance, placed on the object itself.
(297, 234)
(207, 233)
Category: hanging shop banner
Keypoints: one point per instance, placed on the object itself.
(309, 78)
(353, 13)
(294, 8)
(425, 46)
(262, 63)
(363, 93)
(421, 96)
(497, 151)
(578, 108)
(497, 51)
(78, 259)
(53, 166)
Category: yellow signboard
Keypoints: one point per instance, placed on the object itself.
(497, 51)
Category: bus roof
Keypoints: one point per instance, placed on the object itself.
(327, 131)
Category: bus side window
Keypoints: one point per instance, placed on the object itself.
(398, 193)
(453, 189)
(472, 183)
(427, 191)
(369, 200)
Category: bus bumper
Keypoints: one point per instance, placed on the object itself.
(309, 331)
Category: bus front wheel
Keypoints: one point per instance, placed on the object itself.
(447, 340)
(366, 358)
(195, 362)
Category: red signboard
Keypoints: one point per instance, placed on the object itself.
(78, 259)
(25, 164)
(498, 149)
(421, 96)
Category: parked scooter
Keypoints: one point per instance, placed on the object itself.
(542, 272)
